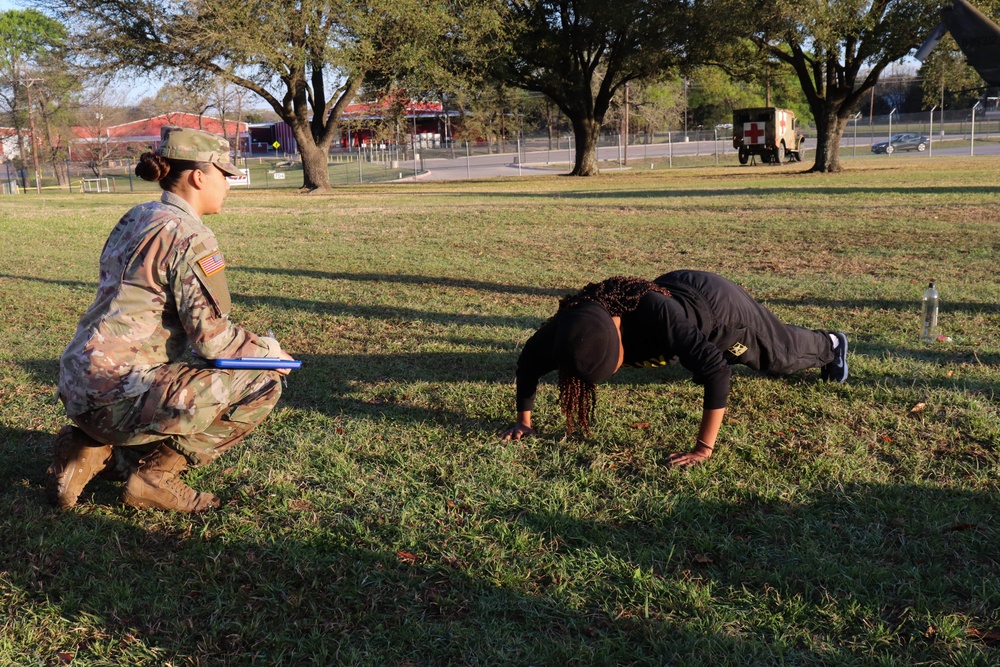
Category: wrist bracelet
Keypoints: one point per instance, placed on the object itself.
(704, 444)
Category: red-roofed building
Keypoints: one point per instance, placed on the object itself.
(145, 134)
(427, 121)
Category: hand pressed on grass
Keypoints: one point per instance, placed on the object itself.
(701, 452)
(516, 432)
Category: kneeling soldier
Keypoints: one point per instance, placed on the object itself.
(141, 415)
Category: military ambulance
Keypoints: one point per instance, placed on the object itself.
(771, 133)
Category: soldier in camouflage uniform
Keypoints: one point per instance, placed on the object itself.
(162, 290)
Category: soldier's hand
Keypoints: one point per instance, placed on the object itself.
(699, 454)
(684, 459)
(287, 357)
(516, 432)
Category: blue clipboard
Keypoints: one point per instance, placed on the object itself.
(257, 363)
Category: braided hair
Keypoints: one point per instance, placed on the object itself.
(618, 295)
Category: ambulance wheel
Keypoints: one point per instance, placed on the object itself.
(744, 156)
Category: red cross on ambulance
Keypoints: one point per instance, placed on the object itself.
(754, 132)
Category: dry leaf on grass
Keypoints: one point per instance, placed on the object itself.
(990, 636)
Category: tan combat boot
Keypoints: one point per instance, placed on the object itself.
(157, 484)
(77, 459)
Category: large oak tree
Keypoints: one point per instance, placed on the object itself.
(306, 58)
(579, 53)
(838, 49)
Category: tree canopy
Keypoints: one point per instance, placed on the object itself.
(579, 53)
(29, 42)
(838, 49)
(306, 58)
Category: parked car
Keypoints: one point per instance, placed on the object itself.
(905, 141)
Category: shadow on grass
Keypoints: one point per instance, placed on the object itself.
(847, 573)
(899, 193)
(968, 307)
(120, 585)
(387, 313)
(406, 279)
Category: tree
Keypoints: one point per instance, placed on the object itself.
(948, 80)
(838, 49)
(579, 53)
(55, 107)
(305, 58)
(101, 108)
(26, 38)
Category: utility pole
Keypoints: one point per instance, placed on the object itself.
(34, 134)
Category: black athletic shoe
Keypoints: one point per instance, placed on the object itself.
(836, 370)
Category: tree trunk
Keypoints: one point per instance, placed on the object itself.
(830, 129)
(315, 170)
(586, 131)
(58, 164)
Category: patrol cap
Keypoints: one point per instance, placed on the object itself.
(182, 143)
(587, 342)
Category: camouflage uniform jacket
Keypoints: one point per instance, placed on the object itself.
(162, 289)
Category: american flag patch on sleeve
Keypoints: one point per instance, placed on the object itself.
(212, 264)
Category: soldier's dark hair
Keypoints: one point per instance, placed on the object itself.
(166, 171)
(618, 295)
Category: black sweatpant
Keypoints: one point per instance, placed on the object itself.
(746, 332)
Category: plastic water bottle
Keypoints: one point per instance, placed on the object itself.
(929, 313)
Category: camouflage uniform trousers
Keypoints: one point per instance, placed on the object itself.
(201, 411)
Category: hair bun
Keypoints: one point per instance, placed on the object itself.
(152, 167)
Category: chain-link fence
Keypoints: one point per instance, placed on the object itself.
(385, 163)
(274, 172)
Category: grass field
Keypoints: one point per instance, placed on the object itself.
(375, 518)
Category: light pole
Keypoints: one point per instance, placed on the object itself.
(855, 118)
(930, 134)
(626, 125)
(34, 133)
(888, 146)
(685, 109)
(972, 135)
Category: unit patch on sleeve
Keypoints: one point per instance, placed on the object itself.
(212, 264)
(208, 266)
(737, 349)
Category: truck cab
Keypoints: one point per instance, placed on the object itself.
(769, 132)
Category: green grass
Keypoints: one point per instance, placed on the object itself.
(375, 518)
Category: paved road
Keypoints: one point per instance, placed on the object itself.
(556, 161)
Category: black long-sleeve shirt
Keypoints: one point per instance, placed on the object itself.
(658, 330)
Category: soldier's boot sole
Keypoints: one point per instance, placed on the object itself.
(76, 459)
